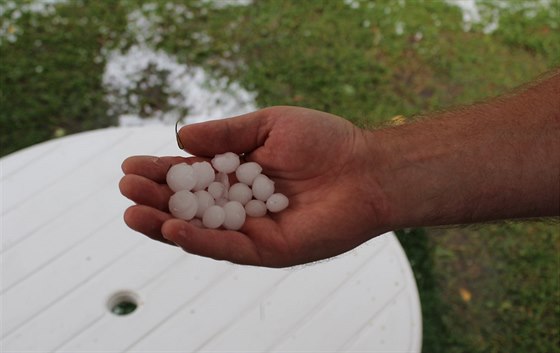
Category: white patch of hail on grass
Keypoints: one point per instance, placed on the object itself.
(354, 4)
(191, 87)
(470, 11)
(220, 4)
(186, 88)
(145, 25)
(399, 28)
(9, 30)
(473, 14)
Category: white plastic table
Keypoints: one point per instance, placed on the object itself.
(67, 258)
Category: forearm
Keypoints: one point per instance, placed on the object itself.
(496, 160)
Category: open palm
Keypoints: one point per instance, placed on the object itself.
(316, 159)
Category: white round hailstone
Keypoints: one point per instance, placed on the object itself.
(222, 201)
(277, 202)
(240, 192)
(205, 200)
(181, 177)
(247, 172)
(263, 187)
(226, 162)
(235, 215)
(255, 208)
(214, 217)
(204, 175)
(222, 178)
(196, 222)
(217, 190)
(183, 204)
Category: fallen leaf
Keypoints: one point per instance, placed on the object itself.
(398, 120)
(466, 295)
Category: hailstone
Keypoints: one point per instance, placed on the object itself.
(240, 192)
(277, 202)
(263, 187)
(183, 204)
(222, 178)
(226, 163)
(217, 190)
(181, 177)
(204, 175)
(203, 195)
(247, 172)
(255, 208)
(196, 222)
(214, 217)
(221, 201)
(205, 200)
(235, 215)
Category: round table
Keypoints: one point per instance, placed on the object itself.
(71, 269)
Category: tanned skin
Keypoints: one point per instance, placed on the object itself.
(494, 160)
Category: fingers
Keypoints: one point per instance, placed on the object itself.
(147, 220)
(144, 191)
(240, 134)
(217, 244)
(154, 168)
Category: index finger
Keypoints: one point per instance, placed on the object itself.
(151, 167)
(241, 134)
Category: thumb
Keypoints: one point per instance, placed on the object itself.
(241, 134)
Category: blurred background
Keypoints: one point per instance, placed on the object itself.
(73, 65)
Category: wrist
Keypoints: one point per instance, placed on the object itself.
(392, 173)
(426, 173)
(380, 195)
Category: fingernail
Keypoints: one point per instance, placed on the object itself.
(174, 235)
(167, 236)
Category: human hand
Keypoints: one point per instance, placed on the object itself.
(318, 160)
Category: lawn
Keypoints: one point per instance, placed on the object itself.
(68, 66)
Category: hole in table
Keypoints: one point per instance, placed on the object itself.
(123, 303)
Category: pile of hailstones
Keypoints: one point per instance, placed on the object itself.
(205, 198)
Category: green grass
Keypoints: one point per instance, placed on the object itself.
(49, 80)
(326, 55)
(511, 273)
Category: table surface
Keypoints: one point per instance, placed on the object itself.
(65, 252)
